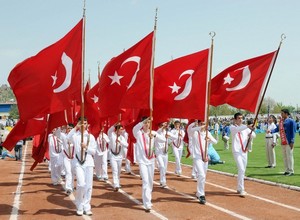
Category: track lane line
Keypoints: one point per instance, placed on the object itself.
(17, 199)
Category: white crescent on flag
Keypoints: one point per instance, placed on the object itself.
(188, 85)
(244, 82)
(67, 62)
(136, 59)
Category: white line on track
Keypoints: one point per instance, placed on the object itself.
(16, 205)
(258, 197)
(158, 215)
(248, 195)
(234, 214)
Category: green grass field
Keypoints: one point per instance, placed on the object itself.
(257, 162)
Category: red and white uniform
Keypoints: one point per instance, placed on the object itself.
(198, 136)
(101, 156)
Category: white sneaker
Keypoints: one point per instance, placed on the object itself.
(242, 193)
(79, 212)
(89, 212)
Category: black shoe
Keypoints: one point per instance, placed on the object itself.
(286, 173)
(147, 210)
(290, 174)
(268, 166)
(202, 200)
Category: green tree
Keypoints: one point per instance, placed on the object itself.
(14, 112)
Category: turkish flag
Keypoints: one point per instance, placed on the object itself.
(24, 129)
(40, 149)
(91, 108)
(180, 87)
(242, 84)
(49, 81)
(61, 118)
(126, 79)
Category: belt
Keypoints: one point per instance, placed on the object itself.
(269, 137)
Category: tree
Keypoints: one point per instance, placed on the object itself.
(14, 112)
(267, 105)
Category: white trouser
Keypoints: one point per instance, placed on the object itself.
(194, 171)
(288, 158)
(116, 165)
(69, 180)
(127, 162)
(241, 162)
(84, 187)
(162, 160)
(201, 168)
(178, 154)
(147, 174)
(270, 152)
(56, 168)
(101, 165)
(226, 143)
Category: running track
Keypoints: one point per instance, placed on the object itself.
(30, 195)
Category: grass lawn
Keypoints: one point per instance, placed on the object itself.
(257, 162)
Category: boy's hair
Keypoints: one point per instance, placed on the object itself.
(118, 127)
(84, 118)
(286, 111)
(274, 118)
(144, 118)
(236, 115)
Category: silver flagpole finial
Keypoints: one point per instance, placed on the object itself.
(212, 34)
(283, 37)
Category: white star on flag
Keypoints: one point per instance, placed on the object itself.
(95, 98)
(54, 78)
(228, 79)
(115, 78)
(175, 88)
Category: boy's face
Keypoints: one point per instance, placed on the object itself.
(284, 115)
(239, 120)
(146, 125)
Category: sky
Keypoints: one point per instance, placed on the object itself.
(244, 29)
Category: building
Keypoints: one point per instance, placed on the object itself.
(5, 108)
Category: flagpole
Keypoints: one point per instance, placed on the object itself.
(212, 34)
(152, 77)
(283, 37)
(82, 84)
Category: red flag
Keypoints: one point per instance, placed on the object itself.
(180, 87)
(23, 130)
(58, 119)
(40, 149)
(49, 81)
(91, 108)
(127, 75)
(242, 84)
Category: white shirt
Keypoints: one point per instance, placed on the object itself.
(102, 142)
(55, 145)
(178, 140)
(270, 127)
(116, 148)
(244, 132)
(75, 138)
(198, 141)
(161, 142)
(142, 144)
